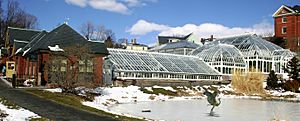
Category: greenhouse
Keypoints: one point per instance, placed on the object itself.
(223, 57)
(257, 53)
(137, 65)
(182, 47)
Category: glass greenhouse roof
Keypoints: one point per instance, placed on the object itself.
(224, 52)
(249, 45)
(173, 45)
(137, 61)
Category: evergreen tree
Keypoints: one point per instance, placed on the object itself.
(293, 68)
(272, 81)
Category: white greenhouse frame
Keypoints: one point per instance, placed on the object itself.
(257, 53)
(138, 65)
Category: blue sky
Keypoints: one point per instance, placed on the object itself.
(145, 19)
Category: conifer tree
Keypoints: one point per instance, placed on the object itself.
(293, 68)
(272, 81)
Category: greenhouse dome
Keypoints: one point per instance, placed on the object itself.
(223, 57)
(258, 53)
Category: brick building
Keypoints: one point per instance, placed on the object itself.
(32, 49)
(287, 26)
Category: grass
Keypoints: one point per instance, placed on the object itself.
(73, 100)
(249, 83)
(9, 104)
(39, 119)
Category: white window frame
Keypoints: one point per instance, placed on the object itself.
(283, 29)
(283, 19)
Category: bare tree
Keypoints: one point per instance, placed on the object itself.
(98, 33)
(101, 33)
(87, 29)
(71, 68)
(14, 16)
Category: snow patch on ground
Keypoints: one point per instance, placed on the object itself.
(17, 114)
(54, 90)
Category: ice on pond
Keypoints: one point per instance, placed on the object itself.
(229, 110)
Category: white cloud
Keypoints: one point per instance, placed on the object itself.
(132, 2)
(118, 6)
(143, 27)
(81, 3)
(109, 5)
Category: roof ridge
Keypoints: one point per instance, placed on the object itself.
(25, 29)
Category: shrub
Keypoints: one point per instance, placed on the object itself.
(291, 85)
(272, 81)
(249, 83)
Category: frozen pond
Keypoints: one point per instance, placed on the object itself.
(229, 110)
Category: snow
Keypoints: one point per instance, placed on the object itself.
(26, 51)
(55, 48)
(18, 50)
(54, 90)
(166, 88)
(17, 114)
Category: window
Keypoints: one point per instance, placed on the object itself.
(63, 65)
(85, 66)
(283, 20)
(283, 30)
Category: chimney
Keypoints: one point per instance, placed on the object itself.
(133, 41)
(126, 41)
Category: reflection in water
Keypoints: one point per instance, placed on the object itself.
(231, 109)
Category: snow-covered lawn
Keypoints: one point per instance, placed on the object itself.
(15, 114)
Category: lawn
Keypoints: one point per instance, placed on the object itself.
(74, 101)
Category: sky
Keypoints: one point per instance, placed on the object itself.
(146, 19)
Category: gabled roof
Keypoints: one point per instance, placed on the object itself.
(165, 39)
(173, 45)
(289, 10)
(63, 36)
(22, 34)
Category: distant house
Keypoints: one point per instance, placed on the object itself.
(136, 46)
(287, 26)
(169, 39)
(32, 49)
(182, 47)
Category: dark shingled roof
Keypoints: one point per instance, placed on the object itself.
(165, 39)
(21, 34)
(295, 8)
(63, 36)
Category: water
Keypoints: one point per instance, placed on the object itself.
(198, 110)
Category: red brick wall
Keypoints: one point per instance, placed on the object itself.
(25, 68)
(98, 62)
(293, 31)
(45, 58)
(21, 66)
